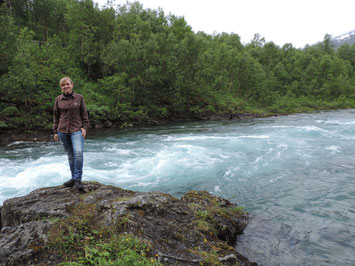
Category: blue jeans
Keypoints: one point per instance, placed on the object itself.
(73, 144)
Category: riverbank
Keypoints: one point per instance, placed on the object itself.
(9, 137)
(12, 136)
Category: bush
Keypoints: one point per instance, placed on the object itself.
(9, 111)
(98, 114)
(3, 125)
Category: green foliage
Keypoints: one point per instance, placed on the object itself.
(81, 239)
(237, 209)
(3, 125)
(98, 114)
(203, 215)
(9, 112)
(8, 36)
(136, 65)
(121, 250)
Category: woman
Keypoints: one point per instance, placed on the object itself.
(70, 124)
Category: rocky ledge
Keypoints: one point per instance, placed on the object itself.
(57, 224)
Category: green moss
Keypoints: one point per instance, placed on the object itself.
(201, 214)
(123, 198)
(82, 240)
(205, 215)
(237, 209)
(122, 222)
(179, 235)
(227, 212)
(203, 197)
(204, 226)
(209, 258)
(194, 206)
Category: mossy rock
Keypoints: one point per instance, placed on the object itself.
(106, 224)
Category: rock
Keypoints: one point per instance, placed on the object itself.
(9, 137)
(198, 228)
(108, 124)
(19, 243)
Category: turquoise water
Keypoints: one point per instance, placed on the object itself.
(294, 174)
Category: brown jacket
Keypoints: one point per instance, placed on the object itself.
(70, 114)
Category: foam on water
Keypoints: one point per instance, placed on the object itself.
(15, 143)
(154, 166)
(253, 137)
(336, 122)
(192, 138)
(333, 148)
(119, 151)
(206, 138)
(22, 179)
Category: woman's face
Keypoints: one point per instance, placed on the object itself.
(67, 87)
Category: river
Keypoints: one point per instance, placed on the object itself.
(294, 174)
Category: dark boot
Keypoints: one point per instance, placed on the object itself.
(69, 183)
(79, 185)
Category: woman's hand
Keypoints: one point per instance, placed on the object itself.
(55, 137)
(83, 132)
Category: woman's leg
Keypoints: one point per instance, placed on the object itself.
(65, 139)
(77, 141)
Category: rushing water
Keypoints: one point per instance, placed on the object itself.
(294, 174)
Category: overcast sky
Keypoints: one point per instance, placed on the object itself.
(299, 22)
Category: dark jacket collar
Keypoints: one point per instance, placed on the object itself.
(64, 97)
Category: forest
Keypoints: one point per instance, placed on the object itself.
(137, 66)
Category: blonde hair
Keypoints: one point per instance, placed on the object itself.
(65, 79)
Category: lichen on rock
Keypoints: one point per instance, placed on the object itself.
(57, 224)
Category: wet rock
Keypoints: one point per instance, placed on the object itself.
(19, 243)
(194, 229)
(14, 136)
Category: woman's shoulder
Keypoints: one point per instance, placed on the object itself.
(59, 97)
(77, 95)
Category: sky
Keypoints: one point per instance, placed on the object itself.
(299, 22)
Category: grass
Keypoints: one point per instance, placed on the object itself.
(118, 250)
(82, 240)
